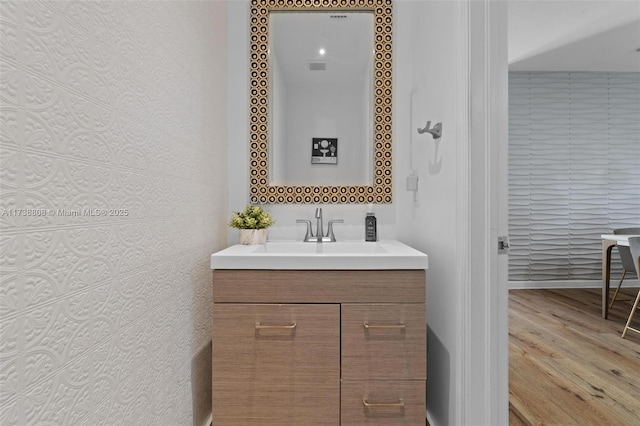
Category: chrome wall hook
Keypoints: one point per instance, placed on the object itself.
(435, 131)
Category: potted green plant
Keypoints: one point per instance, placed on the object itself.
(252, 224)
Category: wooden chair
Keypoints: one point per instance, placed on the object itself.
(634, 246)
(625, 258)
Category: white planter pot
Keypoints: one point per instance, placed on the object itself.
(253, 236)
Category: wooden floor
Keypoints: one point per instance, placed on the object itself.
(568, 366)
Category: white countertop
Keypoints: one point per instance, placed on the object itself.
(347, 255)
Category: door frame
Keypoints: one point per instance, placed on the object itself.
(483, 212)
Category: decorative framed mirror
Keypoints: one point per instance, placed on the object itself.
(320, 101)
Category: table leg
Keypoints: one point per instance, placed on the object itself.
(607, 246)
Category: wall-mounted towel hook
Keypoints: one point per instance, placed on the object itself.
(435, 131)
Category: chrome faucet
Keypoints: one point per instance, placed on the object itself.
(319, 227)
(320, 236)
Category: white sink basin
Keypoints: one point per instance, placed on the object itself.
(294, 247)
(390, 254)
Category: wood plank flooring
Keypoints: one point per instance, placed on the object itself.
(567, 365)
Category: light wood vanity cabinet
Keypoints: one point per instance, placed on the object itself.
(319, 347)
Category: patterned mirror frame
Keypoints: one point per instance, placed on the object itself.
(381, 190)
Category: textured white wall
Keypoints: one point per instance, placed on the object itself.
(109, 105)
(574, 170)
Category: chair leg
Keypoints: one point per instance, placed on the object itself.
(624, 272)
(633, 312)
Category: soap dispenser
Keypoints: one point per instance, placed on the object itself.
(370, 226)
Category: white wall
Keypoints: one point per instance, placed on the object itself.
(326, 110)
(427, 65)
(113, 105)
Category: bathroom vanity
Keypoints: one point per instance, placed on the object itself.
(319, 334)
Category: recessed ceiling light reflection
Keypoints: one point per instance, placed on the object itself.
(322, 51)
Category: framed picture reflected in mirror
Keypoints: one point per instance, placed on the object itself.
(324, 151)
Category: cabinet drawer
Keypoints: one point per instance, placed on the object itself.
(394, 402)
(384, 341)
(260, 286)
(276, 364)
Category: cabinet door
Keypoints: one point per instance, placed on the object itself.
(385, 341)
(276, 364)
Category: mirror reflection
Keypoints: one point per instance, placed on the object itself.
(321, 98)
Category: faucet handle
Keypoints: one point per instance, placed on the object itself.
(309, 231)
(330, 234)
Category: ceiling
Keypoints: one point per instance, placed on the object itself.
(575, 35)
(297, 37)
